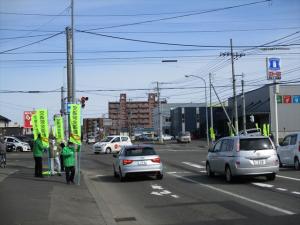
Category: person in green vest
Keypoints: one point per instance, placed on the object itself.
(68, 154)
(38, 149)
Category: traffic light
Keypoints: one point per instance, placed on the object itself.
(83, 100)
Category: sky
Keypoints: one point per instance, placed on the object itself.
(192, 32)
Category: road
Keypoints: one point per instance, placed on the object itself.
(187, 196)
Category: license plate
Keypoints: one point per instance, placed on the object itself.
(142, 163)
(259, 162)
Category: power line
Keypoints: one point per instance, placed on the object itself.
(180, 16)
(32, 43)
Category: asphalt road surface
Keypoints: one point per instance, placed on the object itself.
(187, 196)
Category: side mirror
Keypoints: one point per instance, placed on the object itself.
(115, 155)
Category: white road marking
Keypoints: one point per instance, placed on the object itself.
(296, 192)
(165, 192)
(237, 196)
(175, 196)
(194, 165)
(172, 172)
(263, 185)
(182, 150)
(281, 189)
(202, 171)
(156, 187)
(156, 193)
(290, 178)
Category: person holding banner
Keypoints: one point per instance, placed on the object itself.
(38, 156)
(68, 154)
(54, 157)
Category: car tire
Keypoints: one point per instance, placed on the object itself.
(271, 176)
(96, 153)
(19, 149)
(228, 175)
(107, 150)
(122, 179)
(209, 173)
(296, 164)
(159, 176)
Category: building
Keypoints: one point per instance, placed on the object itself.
(93, 127)
(166, 115)
(127, 115)
(260, 104)
(4, 122)
(193, 119)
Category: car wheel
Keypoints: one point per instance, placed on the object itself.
(122, 179)
(296, 164)
(228, 175)
(271, 176)
(96, 153)
(19, 149)
(209, 173)
(159, 176)
(107, 150)
(115, 173)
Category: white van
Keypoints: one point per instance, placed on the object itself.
(111, 144)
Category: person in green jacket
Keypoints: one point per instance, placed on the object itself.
(68, 154)
(38, 156)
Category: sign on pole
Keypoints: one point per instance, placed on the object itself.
(59, 128)
(27, 119)
(34, 121)
(75, 127)
(273, 68)
(42, 120)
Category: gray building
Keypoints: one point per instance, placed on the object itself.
(166, 115)
(260, 104)
(193, 119)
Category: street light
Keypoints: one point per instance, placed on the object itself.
(206, 114)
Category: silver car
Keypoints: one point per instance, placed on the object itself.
(243, 155)
(135, 160)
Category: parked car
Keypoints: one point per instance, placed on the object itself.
(19, 145)
(135, 160)
(10, 147)
(184, 137)
(243, 155)
(91, 140)
(27, 139)
(289, 151)
(251, 132)
(111, 144)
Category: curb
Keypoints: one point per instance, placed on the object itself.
(103, 209)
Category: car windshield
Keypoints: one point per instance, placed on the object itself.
(255, 144)
(140, 151)
(107, 139)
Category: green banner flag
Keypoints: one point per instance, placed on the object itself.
(265, 130)
(59, 128)
(212, 134)
(42, 119)
(35, 128)
(268, 129)
(75, 132)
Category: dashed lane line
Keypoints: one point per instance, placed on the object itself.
(194, 165)
(296, 192)
(284, 211)
(289, 178)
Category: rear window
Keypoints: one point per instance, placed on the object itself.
(255, 144)
(140, 151)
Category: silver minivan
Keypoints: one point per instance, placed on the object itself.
(243, 155)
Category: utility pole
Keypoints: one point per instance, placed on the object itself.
(159, 113)
(236, 122)
(244, 104)
(210, 103)
(234, 110)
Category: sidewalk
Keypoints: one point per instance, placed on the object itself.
(26, 200)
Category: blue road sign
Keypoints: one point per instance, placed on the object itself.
(274, 64)
(296, 99)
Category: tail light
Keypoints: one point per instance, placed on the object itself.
(237, 163)
(156, 160)
(276, 162)
(238, 146)
(127, 161)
